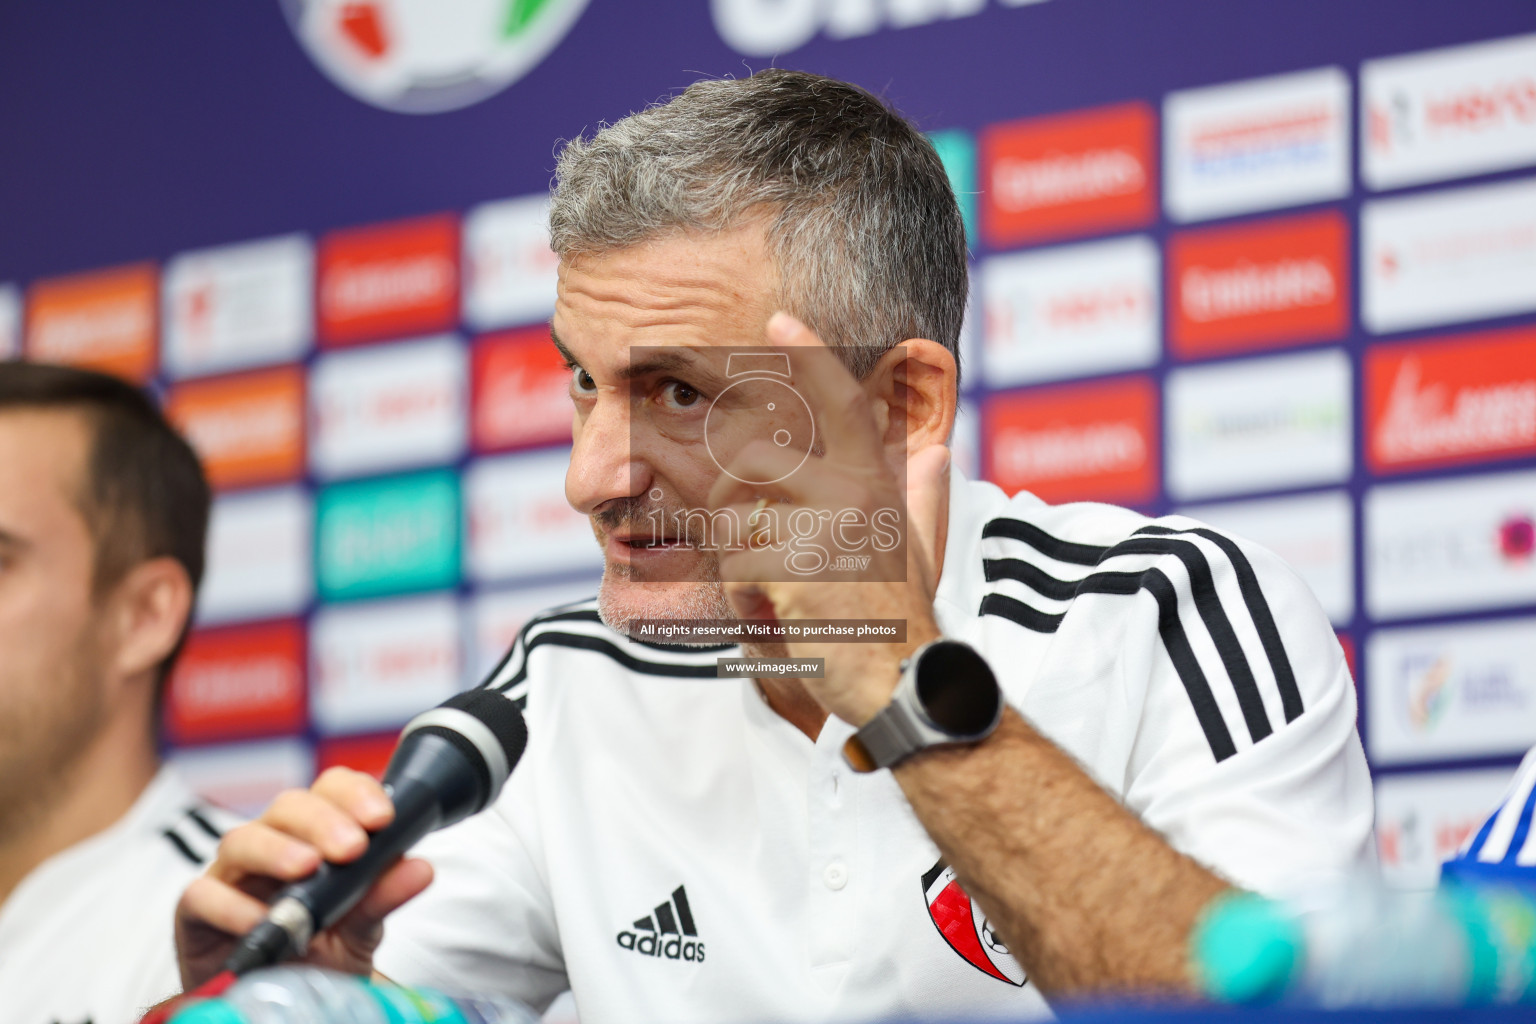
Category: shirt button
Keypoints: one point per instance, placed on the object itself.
(836, 876)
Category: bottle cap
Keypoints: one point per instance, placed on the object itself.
(209, 1011)
(1245, 949)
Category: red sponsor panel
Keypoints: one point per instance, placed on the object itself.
(1445, 401)
(521, 391)
(388, 280)
(362, 753)
(1081, 442)
(238, 681)
(1069, 174)
(1259, 286)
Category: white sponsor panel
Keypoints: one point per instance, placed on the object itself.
(1462, 544)
(509, 269)
(260, 556)
(1256, 145)
(1448, 113)
(388, 407)
(1070, 311)
(969, 344)
(375, 665)
(1450, 692)
(1423, 818)
(497, 616)
(1449, 256)
(1313, 533)
(244, 777)
(519, 523)
(238, 306)
(965, 441)
(10, 321)
(1259, 424)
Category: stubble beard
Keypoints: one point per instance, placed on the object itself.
(42, 742)
(624, 600)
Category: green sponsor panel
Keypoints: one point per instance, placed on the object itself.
(958, 152)
(388, 536)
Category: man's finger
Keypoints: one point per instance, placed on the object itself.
(258, 849)
(359, 794)
(847, 426)
(209, 903)
(404, 881)
(312, 818)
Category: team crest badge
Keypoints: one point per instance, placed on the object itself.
(966, 928)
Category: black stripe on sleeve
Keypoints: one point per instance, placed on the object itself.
(181, 845)
(1031, 575)
(203, 823)
(1202, 587)
(1183, 656)
(1051, 547)
(1170, 630)
(1005, 607)
(1258, 611)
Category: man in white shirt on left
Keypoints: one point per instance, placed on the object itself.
(103, 518)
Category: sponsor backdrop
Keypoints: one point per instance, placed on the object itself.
(1272, 265)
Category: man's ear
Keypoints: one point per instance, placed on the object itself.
(147, 611)
(914, 391)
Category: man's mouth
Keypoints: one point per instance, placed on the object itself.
(645, 542)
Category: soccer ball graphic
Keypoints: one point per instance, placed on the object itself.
(428, 56)
(993, 940)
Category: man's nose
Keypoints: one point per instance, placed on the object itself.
(603, 466)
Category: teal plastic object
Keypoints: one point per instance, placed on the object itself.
(1245, 949)
(209, 1011)
(1482, 954)
(415, 1005)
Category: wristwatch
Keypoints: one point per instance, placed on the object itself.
(947, 696)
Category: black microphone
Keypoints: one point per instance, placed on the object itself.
(450, 762)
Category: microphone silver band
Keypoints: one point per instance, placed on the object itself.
(474, 730)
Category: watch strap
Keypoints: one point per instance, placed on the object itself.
(885, 739)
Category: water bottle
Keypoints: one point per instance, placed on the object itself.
(310, 995)
(1364, 945)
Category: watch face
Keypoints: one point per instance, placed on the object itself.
(957, 689)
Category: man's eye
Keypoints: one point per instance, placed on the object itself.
(679, 394)
(582, 380)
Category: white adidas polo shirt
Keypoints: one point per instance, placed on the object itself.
(86, 938)
(673, 850)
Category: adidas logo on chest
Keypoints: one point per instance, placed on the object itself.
(667, 933)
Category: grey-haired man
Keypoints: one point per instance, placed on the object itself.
(1176, 717)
